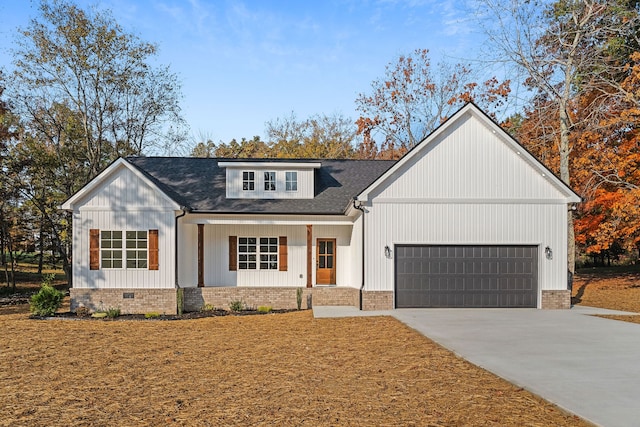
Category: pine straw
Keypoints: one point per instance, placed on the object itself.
(615, 292)
(281, 369)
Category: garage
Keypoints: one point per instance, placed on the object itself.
(466, 276)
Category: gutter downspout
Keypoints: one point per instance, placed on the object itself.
(184, 210)
(361, 209)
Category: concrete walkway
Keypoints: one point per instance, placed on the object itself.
(587, 365)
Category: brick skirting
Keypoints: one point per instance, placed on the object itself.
(332, 295)
(377, 300)
(129, 301)
(140, 301)
(276, 297)
(552, 299)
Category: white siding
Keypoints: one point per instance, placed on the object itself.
(356, 259)
(121, 191)
(216, 254)
(468, 161)
(235, 191)
(467, 187)
(123, 278)
(123, 202)
(488, 224)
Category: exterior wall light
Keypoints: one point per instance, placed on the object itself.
(548, 252)
(387, 251)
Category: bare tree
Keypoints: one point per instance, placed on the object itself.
(413, 98)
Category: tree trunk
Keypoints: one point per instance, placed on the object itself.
(41, 242)
(11, 261)
(565, 176)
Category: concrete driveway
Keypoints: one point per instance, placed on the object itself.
(587, 365)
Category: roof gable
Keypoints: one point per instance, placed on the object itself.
(111, 186)
(468, 157)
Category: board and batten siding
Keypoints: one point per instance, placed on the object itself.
(469, 162)
(468, 224)
(216, 254)
(235, 191)
(467, 187)
(123, 202)
(121, 191)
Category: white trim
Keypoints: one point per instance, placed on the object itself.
(271, 220)
(471, 110)
(111, 169)
(273, 165)
(127, 209)
(469, 243)
(452, 201)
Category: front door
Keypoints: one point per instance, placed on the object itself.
(326, 262)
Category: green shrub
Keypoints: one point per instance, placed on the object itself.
(236, 305)
(207, 307)
(112, 313)
(264, 308)
(47, 279)
(152, 315)
(82, 311)
(47, 301)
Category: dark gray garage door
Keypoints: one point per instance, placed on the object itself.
(466, 276)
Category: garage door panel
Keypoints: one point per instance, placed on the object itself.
(466, 276)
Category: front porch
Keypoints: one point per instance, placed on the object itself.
(219, 251)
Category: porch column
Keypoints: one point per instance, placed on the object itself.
(200, 255)
(309, 254)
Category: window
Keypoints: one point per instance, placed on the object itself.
(269, 181)
(252, 249)
(268, 253)
(111, 249)
(247, 253)
(248, 181)
(291, 181)
(136, 249)
(120, 249)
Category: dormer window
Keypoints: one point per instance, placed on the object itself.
(248, 181)
(269, 181)
(291, 181)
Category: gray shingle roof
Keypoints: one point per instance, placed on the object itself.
(199, 184)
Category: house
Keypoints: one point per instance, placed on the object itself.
(467, 218)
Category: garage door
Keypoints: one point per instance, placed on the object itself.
(466, 276)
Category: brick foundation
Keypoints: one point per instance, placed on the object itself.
(331, 295)
(276, 297)
(556, 299)
(129, 301)
(140, 301)
(377, 300)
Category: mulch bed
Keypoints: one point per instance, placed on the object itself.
(285, 369)
(185, 316)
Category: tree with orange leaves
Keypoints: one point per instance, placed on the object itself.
(609, 162)
(565, 50)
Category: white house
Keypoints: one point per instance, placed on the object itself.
(467, 218)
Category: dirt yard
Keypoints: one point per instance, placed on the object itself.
(276, 369)
(616, 291)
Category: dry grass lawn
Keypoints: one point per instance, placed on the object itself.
(615, 291)
(278, 369)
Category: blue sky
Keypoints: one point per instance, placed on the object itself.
(243, 63)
